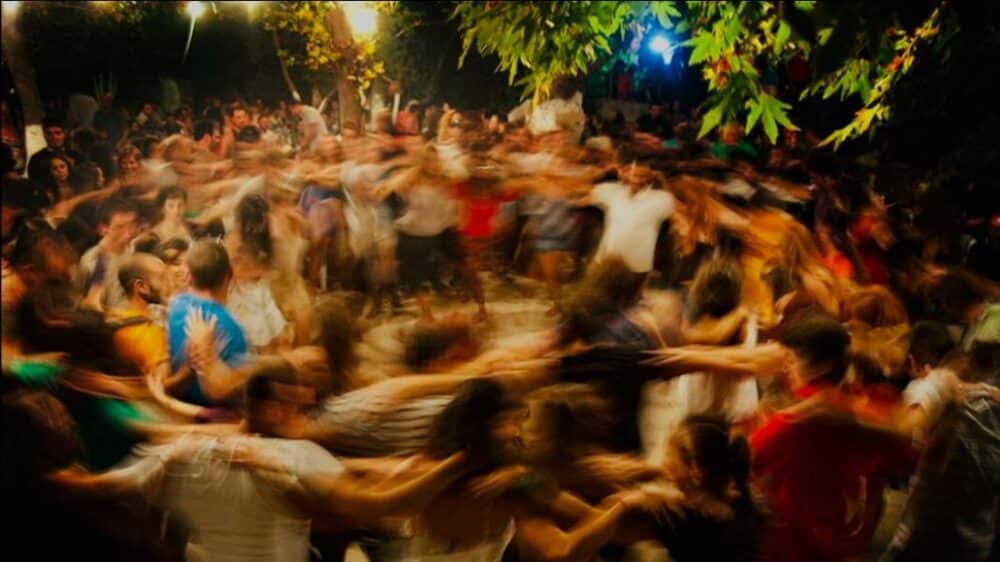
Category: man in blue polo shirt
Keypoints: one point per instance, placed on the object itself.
(210, 278)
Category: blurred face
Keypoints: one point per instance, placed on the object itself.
(177, 274)
(269, 415)
(147, 108)
(59, 169)
(129, 164)
(55, 137)
(120, 230)
(154, 287)
(173, 210)
(240, 118)
(264, 123)
(216, 137)
(525, 433)
(634, 175)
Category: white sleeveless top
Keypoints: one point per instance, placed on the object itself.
(734, 398)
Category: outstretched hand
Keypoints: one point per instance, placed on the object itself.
(203, 344)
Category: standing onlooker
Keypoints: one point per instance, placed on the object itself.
(311, 122)
(55, 144)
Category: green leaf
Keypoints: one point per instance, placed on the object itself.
(602, 43)
(699, 54)
(784, 32)
(755, 110)
(595, 24)
(770, 126)
(513, 71)
(711, 119)
(782, 118)
(683, 27)
(805, 6)
(733, 28)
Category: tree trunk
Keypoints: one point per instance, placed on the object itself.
(284, 68)
(343, 41)
(23, 72)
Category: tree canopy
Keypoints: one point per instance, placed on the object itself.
(856, 50)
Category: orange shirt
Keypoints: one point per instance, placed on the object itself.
(143, 346)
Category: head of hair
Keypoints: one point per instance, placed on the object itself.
(204, 127)
(128, 151)
(53, 122)
(255, 231)
(248, 134)
(575, 415)
(874, 305)
(716, 289)
(930, 342)
(952, 295)
(234, 107)
(430, 341)
(116, 206)
(84, 176)
(208, 263)
(39, 438)
(818, 339)
(132, 269)
(263, 386)
(170, 192)
(608, 288)
(723, 458)
(146, 243)
(466, 423)
(338, 338)
(170, 250)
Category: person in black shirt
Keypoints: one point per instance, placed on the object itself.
(55, 140)
(711, 466)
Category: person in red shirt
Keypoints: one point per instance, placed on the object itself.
(823, 473)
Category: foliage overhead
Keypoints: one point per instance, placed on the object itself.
(854, 49)
(308, 24)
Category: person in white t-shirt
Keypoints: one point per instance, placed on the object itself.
(633, 213)
(250, 498)
(312, 124)
(933, 385)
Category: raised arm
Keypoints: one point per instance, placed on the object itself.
(714, 331)
(760, 361)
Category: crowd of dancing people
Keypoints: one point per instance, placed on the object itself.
(740, 350)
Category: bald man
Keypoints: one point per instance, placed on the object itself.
(142, 342)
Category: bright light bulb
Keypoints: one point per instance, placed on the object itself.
(361, 17)
(660, 44)
(195, 9)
